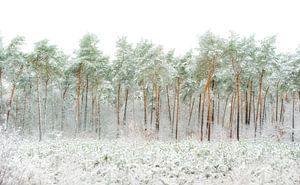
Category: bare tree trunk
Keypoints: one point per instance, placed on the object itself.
(63, 114)
(232, 114)
(99, 117)
(191, 110)
(169, 106)
(199, 113)
(293, 116)
(238, 108)
(202, 116)
(259, 107)
(78, 91)
(281, 111)
(125, 108)
(177, 107)
(277, 103)
(118, 108)
(246, 104)
(174, 107)
(209, 110)
(225, 108)
(10, 102)
(157, 98)
(218, 116)
(24, 110)
(145, 107)
(86, 103)
(38, 106)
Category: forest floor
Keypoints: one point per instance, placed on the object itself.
(128, 161)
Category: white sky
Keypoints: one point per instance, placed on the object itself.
(172, 23)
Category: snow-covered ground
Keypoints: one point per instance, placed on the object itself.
(129, 161)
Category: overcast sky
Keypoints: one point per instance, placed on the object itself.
(172, 23)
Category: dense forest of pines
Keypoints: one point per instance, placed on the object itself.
(235, 83)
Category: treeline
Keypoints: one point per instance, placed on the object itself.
(231, 82)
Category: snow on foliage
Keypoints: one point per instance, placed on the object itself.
(123, 161)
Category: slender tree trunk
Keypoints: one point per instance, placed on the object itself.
(191, 110)
(157, 118)
(118, 108)
(169, 106)
(218, 114)
(145, 107)
(45, 104)
(202, 116)
(213, 88)
(78, 91)
(232, 114)
(152, 107)
(63, 114)
(199, 113)
(10, 101)
(259, 105)
(86, 103)
(277, 103)
(238, 108)
(264, 116)
(224, 113)
(125, 108)
(39, 106)
(293, 116)
(246, 105)
(281, 111)
(24, 110)
(177, 107)
(209, 110)
(99, 117)
(251, 98)
(17, 111)
(174, 107)
(93, 110)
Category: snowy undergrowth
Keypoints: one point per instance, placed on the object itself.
(123, 161)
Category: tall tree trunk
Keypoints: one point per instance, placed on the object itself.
(202, 116)
(246, 104)
(86, 102)
(264, 114)
(125, 108)
(157, 118)
(218, 113)
(99, 117)
(209, 110)
(277, 103)
(281, 111)
(63, 113)
(191, 110)
(199, 113)
(238, 107)
(213, 89)
(231, 114)
(174, 107)
(39, 106)
(78, 91)
(118, 108)
(225, 108)
(169, 106)
(45, 104)
(24, 110)
(177, 107)
(251, 98)
(10, 101)
(259, 104)
(145, 106)
(293, 116)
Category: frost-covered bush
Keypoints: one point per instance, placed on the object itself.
(128, 161)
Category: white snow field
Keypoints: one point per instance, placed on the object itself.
(128, 161)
